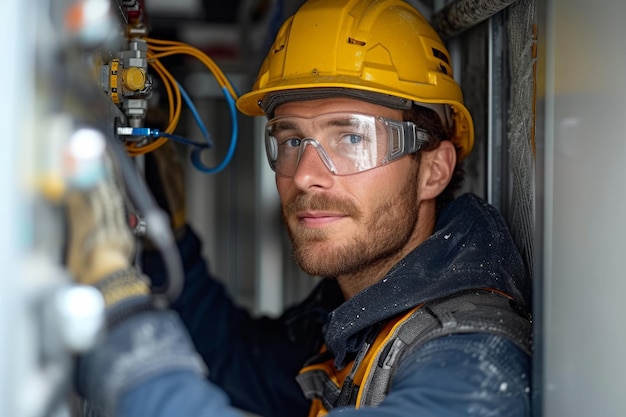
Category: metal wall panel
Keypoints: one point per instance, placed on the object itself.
(582, 201)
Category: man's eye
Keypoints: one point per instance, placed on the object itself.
(292, 142)
(352, 139)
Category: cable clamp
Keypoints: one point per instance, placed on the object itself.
(138, 131)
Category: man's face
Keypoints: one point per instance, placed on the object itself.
(341, 225)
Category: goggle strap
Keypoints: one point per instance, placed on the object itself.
(414, 137)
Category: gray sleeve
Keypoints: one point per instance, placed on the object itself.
(139, 348)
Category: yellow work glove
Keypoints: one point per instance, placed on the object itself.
(100, 243)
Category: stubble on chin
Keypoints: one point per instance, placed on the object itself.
(379, 236)
(312, 250)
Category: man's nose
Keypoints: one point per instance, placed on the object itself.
(311, 148)
(313, 168)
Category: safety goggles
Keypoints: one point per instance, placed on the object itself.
(347, 143)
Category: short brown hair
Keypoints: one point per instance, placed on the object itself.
(430, 121)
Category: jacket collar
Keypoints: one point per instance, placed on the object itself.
(470, 248)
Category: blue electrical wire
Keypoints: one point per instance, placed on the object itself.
(156, 133)
(195, 156)
(234, 87)
(196, 116)
(176, 138)
(196, 153)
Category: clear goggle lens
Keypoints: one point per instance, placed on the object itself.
(347, 143)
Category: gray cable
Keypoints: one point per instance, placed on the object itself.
(158, 228)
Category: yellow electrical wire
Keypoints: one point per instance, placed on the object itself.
(175, 106)
(174, 99)
(173, 94)
(167, 48)
(159, 49)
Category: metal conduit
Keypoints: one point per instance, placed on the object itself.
(461, 15)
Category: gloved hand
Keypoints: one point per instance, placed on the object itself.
(165, 176)
(100, 243)
(141, 343)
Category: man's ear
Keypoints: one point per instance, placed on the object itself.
(436, 169)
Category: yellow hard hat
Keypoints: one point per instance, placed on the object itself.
(376, 48)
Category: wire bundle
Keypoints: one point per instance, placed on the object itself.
(158, 49)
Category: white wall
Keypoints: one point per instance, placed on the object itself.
(582, 200)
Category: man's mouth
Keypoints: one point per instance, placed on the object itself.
(316, 218)
(320, 210)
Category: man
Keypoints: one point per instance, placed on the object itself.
(422, 311)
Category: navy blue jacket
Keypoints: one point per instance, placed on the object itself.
(254, 361)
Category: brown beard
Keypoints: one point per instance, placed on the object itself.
(384, 234)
